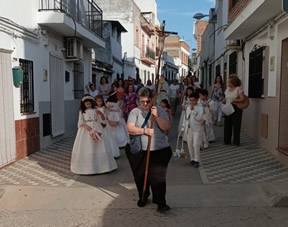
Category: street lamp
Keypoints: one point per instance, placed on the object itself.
(199, 16)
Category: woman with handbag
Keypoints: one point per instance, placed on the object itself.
(138, 125)
(234, 94)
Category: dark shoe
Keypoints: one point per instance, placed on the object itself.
(140, 203)
(163, 208)
(192, 162)
(196, 165)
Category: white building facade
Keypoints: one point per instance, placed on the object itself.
(52, 44)
(262, 65)
(139, 43)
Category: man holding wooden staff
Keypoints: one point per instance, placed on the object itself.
(160, 149)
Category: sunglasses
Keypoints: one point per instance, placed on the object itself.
(146, 101)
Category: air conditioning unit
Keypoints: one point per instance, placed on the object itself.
(233, 44)
(74, 49)
(212, 15)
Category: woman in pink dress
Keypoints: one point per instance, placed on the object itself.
(130, 101)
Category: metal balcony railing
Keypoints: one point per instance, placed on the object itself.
(85, 12)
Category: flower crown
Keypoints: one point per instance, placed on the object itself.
(87, 98)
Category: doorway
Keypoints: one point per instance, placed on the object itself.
(57, 95)
(7, 122)
(283, 110)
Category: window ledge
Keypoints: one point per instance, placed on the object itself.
(28, 113)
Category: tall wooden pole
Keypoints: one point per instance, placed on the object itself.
(162, 35)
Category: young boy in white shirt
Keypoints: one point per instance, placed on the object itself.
(208, 105)
(192, 126)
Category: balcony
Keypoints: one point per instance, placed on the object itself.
(70, 18)
(148, 28)
(255, 15)
(148, 56)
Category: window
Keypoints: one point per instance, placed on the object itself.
(210, 74)
(137, 37)
(218, 70)
(27, 88)
(78, 81)
(145, 77)
(234, 2)
(137, 74)
(256, 81)
(233, 63)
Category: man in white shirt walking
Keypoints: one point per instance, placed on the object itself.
(173, 94)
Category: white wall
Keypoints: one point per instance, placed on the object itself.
(222, 19)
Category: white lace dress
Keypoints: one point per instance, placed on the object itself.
(119, 132)
(107, 136)
(89, 156)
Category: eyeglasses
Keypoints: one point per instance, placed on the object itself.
(146, 101)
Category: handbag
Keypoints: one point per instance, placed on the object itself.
(135, 140)
(244, 104)
(227, 109)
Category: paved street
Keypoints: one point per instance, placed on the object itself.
(235, 186)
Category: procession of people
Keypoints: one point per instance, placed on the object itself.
(118, 115)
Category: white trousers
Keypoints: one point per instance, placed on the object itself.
(194, 140)
(217, 115)
(208, 134)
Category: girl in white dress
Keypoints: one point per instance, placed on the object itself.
(89, 154)
(185, 104)
(107, 134)
(116, 120)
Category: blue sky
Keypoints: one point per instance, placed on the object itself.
(179, 16)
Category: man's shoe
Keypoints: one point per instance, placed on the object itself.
(192, 162)
(196, 165)
(140, 203)
(163, 208)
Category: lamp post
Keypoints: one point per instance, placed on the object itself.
(199, 16)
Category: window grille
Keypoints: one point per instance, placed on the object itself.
(233, 63)
(78, 81)
(27, 88)
(256, 81)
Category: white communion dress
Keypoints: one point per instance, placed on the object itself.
(119, 132)
(107, 136)
(90, 156)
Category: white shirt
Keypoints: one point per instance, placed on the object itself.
(173, 90)
(93, 93)
(231, 95)
(192, 118)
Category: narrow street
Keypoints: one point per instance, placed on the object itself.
(235, 186)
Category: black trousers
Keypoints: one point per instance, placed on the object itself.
(232, 123)
(159, 160)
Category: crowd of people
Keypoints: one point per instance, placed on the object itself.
(124, 108)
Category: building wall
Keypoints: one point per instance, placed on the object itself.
(200, 28)
(236, 10)
(34, 44)
(271, 103)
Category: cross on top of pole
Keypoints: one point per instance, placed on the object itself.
(162, 32)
